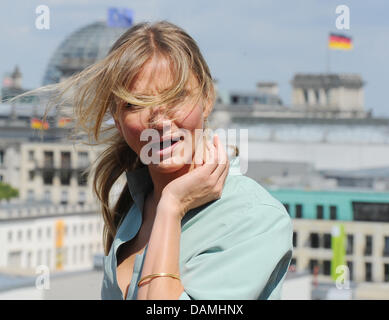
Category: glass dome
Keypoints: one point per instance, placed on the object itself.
(80, 49)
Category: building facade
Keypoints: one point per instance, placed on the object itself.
(365, 217)
(61, 238)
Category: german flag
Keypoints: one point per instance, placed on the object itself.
(339, 42)
(62, 122)
(39, 124)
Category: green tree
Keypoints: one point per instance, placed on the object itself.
(7, 192)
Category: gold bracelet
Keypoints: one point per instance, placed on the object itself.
(156, 275)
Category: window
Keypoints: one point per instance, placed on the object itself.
(286, 207)
(1, 157)
(90, 251)
(319, 212)
(14, 259)
(368, 245)
(305, 92)
(366, 211)
(29, 234)
(39, 257)
(29, 258)
(386, 247)
(81, 198)
(65, 255)
(82, 178)
(327, 241)
(82, 252)
(9, 236)
(65, 176)
(386, 272)
(30, 195)
(74, 255)
(317, 97)
(74, 230)
(350, 270)
(327, 267)
(65, 159)
(48, 159)
(294, 239)
(313, 266)
(333, 213)
(47, 195)
(48, 167)
(48, 232)
(64, 197)
(368, 276)
(65, 172)
(83, 161)
(314, 240)
(350, 244)
(20, 235)
(299, 211)
(31, 155)
(31, 175)
(48, 257)
(39, 233)
(48, 176)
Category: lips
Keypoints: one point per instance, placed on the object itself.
(165, 142)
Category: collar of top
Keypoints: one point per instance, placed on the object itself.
(139, 181)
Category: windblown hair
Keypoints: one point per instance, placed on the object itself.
(97, 93)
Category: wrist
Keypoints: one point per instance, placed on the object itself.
(170, 205)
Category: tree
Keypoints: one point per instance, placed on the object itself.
(7, 192)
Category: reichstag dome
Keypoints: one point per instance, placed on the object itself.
(80, 49)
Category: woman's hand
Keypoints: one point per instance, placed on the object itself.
(199, 186)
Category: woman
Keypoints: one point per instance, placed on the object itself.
(222, 235)
(189, 225)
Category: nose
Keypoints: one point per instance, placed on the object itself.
(159, 120)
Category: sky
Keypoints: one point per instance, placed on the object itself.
(242, 41)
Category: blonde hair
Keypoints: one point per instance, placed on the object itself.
(94, 95)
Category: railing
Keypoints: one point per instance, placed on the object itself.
(46, 210)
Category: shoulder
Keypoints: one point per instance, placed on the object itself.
(245, 209)
(243, 192)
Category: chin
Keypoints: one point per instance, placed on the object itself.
(171, 164)
(167, 167)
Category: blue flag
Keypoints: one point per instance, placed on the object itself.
(120, 17)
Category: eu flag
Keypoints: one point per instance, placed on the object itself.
(338, 246)
(120, 17)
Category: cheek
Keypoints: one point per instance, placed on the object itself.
(193, 119)
(132, 128)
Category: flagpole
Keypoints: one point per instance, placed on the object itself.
(327, 59)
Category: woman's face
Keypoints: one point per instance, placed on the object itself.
(153, 78)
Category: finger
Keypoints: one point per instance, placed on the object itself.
(199, 153)
(222, 159)
(222, 179)
(211, 158)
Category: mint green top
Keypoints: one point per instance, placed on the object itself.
(236, 247)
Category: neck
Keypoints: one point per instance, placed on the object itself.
(161, 180)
